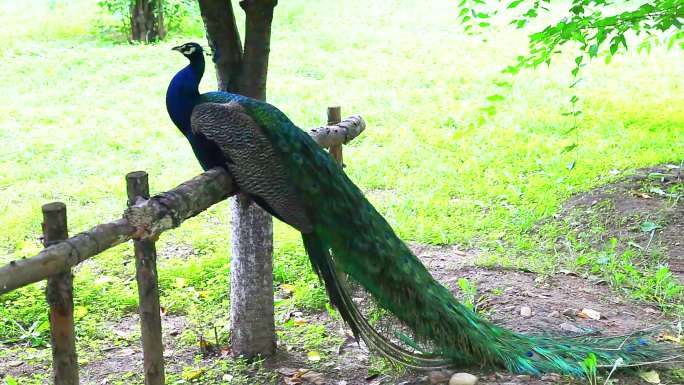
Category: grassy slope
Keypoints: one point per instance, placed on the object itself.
(78, 112)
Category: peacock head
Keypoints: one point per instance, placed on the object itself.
(192, 51)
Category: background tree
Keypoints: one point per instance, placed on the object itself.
(251, 266)
(145, 20)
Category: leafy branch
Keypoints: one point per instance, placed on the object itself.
(592, 25)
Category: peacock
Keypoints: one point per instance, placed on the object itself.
(285, 172)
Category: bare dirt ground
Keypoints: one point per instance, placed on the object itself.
(553, 303)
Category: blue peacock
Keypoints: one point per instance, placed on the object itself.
(285, 172)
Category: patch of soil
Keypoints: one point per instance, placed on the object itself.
(618, 210)
(176, 250)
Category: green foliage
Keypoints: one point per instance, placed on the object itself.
(595, 27)
(116, 16)
(469, 293)
(598, 27)
(631, 272)
(590, 368)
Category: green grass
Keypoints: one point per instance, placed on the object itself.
(79, 110)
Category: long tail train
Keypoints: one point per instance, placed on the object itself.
(517, 353)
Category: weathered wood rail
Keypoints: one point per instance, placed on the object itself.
(143, 221)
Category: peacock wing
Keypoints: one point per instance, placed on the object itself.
(251, 160)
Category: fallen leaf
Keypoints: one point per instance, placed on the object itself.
(667, 337)
(180, 282)
(313, 356)
(651, 377)
(287, 288)
(193, 374)
(590, 314)
(299, 321)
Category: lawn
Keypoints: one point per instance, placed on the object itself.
(442, 162)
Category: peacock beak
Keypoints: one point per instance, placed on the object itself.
(177, 48)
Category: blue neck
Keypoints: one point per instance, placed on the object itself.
(183, 93)
(181, 97)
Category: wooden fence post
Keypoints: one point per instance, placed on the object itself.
(334, 117)
(60, 297)
(148, 289)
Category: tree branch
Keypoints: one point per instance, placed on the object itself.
(340, 133)
(224, 39)
(259, 15)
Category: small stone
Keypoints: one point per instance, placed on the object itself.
(463, 379)
(523, 377)
(554, 314)
(590, 314)
(526, 311)
(570, 312)
(439, 376)
(570, 328)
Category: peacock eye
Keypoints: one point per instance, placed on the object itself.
(533, 355)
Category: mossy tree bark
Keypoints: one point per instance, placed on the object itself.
(244, 72)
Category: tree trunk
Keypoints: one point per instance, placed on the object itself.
(252, 323)
(251, 281)
(224, 40)
(147, 20)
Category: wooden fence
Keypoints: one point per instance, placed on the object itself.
(143, 221)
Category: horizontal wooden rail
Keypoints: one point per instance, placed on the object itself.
(166, 210)
(146, 219)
